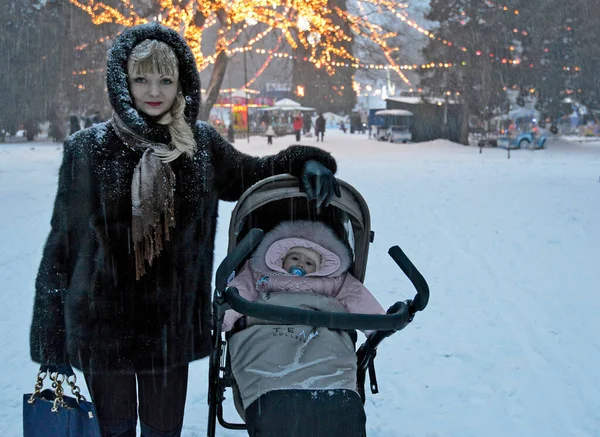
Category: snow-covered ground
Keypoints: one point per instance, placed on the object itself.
(580, 139)
(509, 345)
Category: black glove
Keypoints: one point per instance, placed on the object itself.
(319, 183)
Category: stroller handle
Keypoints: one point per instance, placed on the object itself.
(421, 299)
(327, 319)
(232, 261)
(395, 320)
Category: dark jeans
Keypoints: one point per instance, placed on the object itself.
(161, 402)
(269, 139)
(320, 134)
(297, 135)
(307, 413)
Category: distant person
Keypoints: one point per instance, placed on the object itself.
(320, 127)
(298, 126)
(56, 128)
(270, 133)
(74, 122)
(307, 123)
(231, 133)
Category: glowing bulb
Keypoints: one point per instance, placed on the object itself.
(303, 24)
(313, 38)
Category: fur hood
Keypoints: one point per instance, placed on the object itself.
(118, 87)
(335, 257)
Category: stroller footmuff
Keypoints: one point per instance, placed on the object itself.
(288, 374)
(300, 413)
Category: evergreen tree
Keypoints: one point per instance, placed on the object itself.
(563, 54)
(479, 48)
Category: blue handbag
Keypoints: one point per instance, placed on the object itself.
(50, 413)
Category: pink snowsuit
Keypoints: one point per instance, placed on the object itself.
(263, 274)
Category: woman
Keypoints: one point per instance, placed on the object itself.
(123, 289)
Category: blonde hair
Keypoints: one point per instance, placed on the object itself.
(156, 57)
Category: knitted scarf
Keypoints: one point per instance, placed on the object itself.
(152, 197)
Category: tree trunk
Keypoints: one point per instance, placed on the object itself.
(464, 127)
(218, 74)
(214, 86)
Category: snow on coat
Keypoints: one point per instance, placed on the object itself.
(89, 309)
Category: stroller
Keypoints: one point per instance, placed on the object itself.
(259, 210)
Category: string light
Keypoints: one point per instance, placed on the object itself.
(405, 18)
(85, 72)
(233, 90)
(98, 41)
(316, 32)
(301, 23)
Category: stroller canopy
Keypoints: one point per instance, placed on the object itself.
(279, 198)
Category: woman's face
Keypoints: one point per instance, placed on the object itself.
(153, 94)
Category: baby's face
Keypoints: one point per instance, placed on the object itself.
(299, 260)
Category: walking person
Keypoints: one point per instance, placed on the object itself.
(320, 127)
(74, 124)
(123, 291)
(231, 133)
(298, 126)
(306, 123)
(270, 133)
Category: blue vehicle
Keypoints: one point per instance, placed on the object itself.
(522, 140)
(520, 131)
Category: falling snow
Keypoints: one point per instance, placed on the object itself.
(508, 344)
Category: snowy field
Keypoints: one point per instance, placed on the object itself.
(509, 345)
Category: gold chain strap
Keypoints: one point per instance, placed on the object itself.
(57, 383)
(58, 380)
(75, 389)
(39, 384)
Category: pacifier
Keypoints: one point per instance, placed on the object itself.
(297, 271)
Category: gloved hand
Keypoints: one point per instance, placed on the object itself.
(319, 183)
